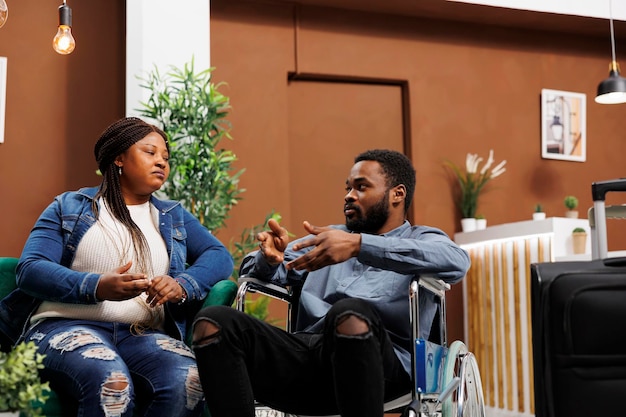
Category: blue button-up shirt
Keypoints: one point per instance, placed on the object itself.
(381, 274)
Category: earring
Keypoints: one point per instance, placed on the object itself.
(119, 171)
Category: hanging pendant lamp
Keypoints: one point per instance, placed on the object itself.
(613, 89)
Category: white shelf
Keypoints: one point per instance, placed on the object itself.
(560, 229)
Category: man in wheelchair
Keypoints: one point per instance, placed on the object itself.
(351, 349)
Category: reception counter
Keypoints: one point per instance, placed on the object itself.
(496, 294)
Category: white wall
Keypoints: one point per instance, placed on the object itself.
(163, 33)
(588, 8)
(166, 32)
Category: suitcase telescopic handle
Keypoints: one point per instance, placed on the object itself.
(600, 188)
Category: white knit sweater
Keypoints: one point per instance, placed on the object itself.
(108, 245)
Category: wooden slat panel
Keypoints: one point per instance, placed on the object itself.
(500, 319)
(488, 322)
(507, 328)
(500, 335)
(518, 327)
(529, 341)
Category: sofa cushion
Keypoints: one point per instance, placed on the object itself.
(7, 276)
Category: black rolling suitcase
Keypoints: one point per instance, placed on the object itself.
(579, 328)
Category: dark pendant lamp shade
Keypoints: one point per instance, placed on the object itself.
(613, 89)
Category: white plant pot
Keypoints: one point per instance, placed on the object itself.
(571, 214)
(468, 224)
(481, 224)
(9, 413)
(539, 216)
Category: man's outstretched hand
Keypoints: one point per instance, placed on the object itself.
(272, 243)
(330, 246)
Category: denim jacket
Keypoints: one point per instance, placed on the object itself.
(197, 261)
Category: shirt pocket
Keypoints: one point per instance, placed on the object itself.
(376, 283)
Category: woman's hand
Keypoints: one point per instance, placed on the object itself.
(163, 289)
(117, 285)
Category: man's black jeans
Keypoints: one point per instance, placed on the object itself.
(300, 373)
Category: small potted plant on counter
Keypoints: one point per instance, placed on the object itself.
(579, 240)
(571, 203)
(481, 222)
(539, 214)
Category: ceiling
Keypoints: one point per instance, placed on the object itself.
(497, 16)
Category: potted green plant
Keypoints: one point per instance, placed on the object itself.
(539, 214)
(20, 386)
(579, 240)
(471, 183)
(192, 111)
(481, 222)
(571, 203)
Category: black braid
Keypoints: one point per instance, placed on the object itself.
(116, 139)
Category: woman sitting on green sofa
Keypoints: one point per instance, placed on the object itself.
(106, 280)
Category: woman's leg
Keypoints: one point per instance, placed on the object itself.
(164, 372)
(81, 363)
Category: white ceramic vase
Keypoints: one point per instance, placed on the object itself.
(481, 224)
(539, 215)
(468, 224)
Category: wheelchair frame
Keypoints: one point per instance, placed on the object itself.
(446, 380)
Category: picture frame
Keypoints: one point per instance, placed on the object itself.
(563, 125)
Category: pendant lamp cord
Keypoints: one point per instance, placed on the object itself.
(612, 33)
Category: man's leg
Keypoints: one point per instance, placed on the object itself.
(362, 358)
(241, 358)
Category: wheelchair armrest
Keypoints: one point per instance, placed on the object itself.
(249, 284)
(438, 288)
(435, 285)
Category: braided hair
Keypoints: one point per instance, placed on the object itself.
(115, 140)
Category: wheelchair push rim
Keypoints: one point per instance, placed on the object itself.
(468, 400)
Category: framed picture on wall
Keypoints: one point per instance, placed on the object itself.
(563, 125)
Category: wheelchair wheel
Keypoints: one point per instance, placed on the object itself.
(467, 400)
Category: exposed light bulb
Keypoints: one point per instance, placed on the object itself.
(63, 41)
(4, 12)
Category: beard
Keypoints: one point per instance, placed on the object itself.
(373, 219)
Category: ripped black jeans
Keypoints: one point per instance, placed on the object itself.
(299, 373)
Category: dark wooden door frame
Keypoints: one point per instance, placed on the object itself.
(349, 79)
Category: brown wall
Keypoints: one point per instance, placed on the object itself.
(472, 88)
(56, 106)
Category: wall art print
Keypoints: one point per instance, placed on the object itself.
(563, 125)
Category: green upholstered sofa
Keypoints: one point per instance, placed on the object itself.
(222, 293)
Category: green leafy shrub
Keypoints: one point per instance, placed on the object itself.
(191, 110)
(20, 385)
(193, 113)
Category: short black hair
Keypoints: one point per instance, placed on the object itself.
(396, 166)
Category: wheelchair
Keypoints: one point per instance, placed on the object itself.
(446, 379)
